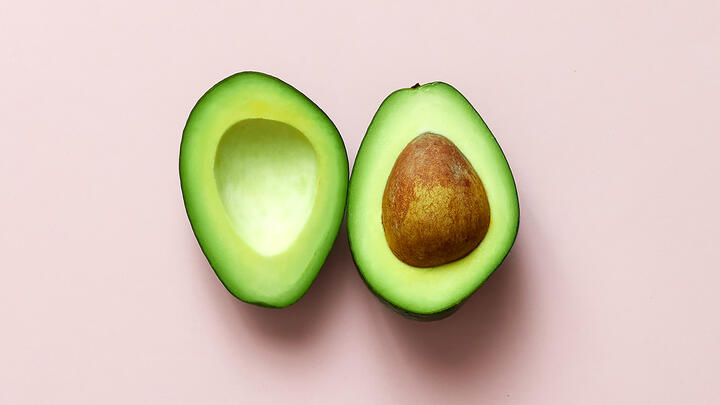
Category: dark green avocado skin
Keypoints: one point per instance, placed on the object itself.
(421, 317)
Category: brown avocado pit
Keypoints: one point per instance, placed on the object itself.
(434, 208)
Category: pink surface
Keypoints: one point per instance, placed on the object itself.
(608, 115)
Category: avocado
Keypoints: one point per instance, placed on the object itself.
(432, 204)
(264, 177)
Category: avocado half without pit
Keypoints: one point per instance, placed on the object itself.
(432, 204)
(264, 176)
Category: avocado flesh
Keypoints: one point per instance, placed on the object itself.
(266, 174)
(434, 292)
(264, 178)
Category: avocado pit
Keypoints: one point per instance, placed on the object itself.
(434, 208)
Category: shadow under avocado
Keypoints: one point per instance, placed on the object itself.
(483, 330)
(298, 323)
(307, 316)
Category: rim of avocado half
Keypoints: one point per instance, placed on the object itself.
(433, 291)
(264, 176)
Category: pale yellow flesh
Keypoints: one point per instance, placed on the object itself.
(266, 175)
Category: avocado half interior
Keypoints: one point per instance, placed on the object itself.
(264, 179)
(436, 108)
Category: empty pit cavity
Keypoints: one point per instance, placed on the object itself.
(266, 175)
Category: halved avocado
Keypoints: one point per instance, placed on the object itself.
(264, 177)
(432, 205)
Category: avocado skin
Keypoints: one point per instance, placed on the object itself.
(421, 317)
(183, 190)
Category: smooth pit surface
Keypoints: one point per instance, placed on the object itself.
(266, 175)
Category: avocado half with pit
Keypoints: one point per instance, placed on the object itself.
(432, 204)
(264, 177)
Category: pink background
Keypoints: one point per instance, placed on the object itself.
(608, 114)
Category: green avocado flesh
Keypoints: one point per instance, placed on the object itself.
(264, 175)
(435, 292)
